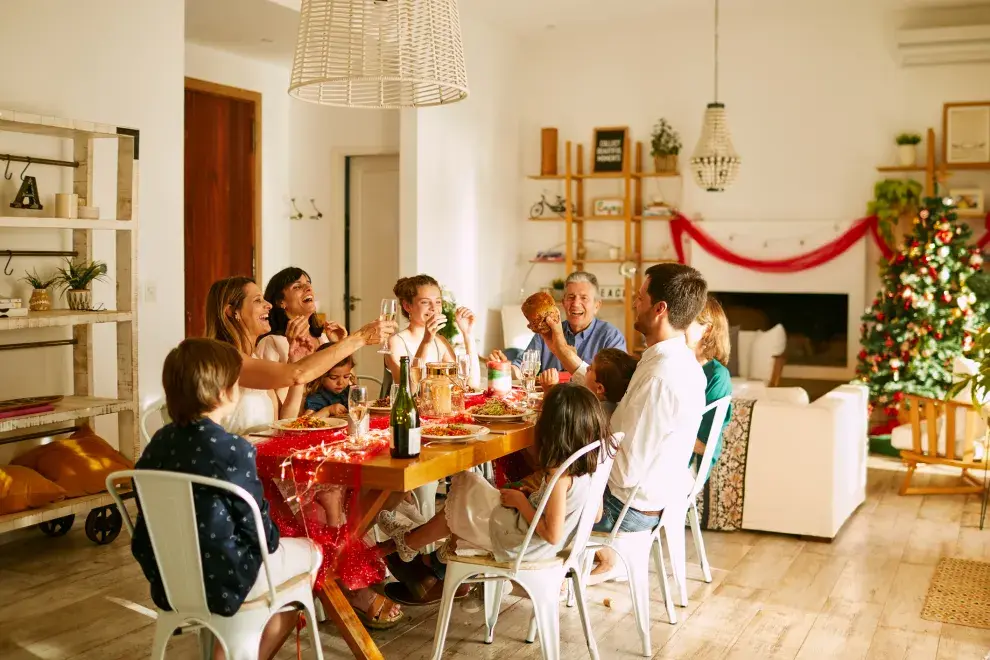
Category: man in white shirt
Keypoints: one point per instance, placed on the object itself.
(662, 408)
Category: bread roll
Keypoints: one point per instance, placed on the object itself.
(537, 309)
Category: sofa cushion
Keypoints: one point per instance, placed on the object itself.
(22, 488)
(765, 347)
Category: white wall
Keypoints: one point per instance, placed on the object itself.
(117, 62)
(813, 93)
(271, 81)
(466, 174)
(320, 138)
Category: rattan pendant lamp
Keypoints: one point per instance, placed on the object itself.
(715, 162)
(379, 54)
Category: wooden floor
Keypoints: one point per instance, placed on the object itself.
(772, 597)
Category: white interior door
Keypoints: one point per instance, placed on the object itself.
(373, 246)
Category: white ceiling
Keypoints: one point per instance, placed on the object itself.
(259, 29)
(266, 29)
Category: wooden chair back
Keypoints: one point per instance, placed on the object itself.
(936, 440)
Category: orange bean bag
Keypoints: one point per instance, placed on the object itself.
(79, 464)
(22, 488)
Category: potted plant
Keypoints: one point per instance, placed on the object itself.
(893, 200)
(665, 144)
(40, 300)
(558, 289)
(450, 331)
(75, 278)
(907, 152)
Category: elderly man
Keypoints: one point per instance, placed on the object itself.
(582, 330)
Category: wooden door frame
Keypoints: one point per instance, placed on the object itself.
(227, 91)
(340, 210)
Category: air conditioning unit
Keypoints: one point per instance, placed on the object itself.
(945, 45)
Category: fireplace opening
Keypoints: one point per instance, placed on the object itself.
(816, 323)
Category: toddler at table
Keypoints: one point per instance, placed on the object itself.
(327, 395)
(478, 516)
(200, 382)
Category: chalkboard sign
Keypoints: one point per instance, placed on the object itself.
(610, 146)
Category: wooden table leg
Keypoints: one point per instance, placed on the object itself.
(337, 607)
(335, 603)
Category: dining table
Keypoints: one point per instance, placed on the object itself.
(381, 477)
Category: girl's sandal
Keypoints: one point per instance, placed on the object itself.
(397, 532)
(376, 615)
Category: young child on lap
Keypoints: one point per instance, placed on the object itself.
(497, 521)
(327, 395)
(200, 382)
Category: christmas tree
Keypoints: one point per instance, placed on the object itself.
(925, 315)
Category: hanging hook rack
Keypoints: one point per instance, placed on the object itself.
(298, 214)
(25, 168)
(8, 271)
(319, 214)
(7, 174)
(39, 161)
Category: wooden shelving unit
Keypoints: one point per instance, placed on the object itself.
(80, 406)
(932, 169)
(632, 219)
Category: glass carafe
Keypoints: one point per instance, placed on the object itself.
(441, 393)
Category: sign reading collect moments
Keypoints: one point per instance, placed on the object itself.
(610, 146)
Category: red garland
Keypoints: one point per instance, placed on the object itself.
(679, 225)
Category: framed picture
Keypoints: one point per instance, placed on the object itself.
(966, 133)
(968, 202)
(608, 207)
(609, 147)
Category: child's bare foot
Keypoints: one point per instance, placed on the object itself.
(606, 561)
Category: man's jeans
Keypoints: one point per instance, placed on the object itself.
(634, 521)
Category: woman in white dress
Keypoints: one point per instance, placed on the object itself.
(422, 303)
(293, 317)
(236, 313)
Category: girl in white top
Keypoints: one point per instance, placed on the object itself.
(422, 304)
(477, 516)
(293, 318)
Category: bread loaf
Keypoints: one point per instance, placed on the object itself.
(537, 309)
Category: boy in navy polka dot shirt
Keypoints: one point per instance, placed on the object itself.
(200, 382)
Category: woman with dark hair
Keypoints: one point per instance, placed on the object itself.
(293, 318)
(237, 314)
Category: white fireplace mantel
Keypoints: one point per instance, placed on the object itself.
(845, 274)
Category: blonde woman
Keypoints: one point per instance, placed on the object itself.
(708, 337)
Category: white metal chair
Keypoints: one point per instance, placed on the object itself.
(169, 512)
(374, 379)
(155, 407)
(541, 579)
(635, 548)
(678, 554)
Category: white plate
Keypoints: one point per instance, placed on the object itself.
(330, 423)
(476, 432)
(501, 418)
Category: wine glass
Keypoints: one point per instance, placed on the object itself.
(357, 408)
(464, 370)
(387, 314)
(417, 373)
(530, 368)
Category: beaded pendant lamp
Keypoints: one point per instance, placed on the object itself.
(715, 162)
(379, 54)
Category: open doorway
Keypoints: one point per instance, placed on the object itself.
(222, 190)
(371, 237)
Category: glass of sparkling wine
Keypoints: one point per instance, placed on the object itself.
(530, 367)
(464, 370)
(387, 314)
(357, 409)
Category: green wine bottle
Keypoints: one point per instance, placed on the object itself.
(404, 418)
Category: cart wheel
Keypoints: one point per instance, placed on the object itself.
(537, 210)
(103, 525)
(57, 527)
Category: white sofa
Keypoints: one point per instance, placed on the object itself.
(806, 466)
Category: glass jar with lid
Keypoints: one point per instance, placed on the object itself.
(441, 393)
